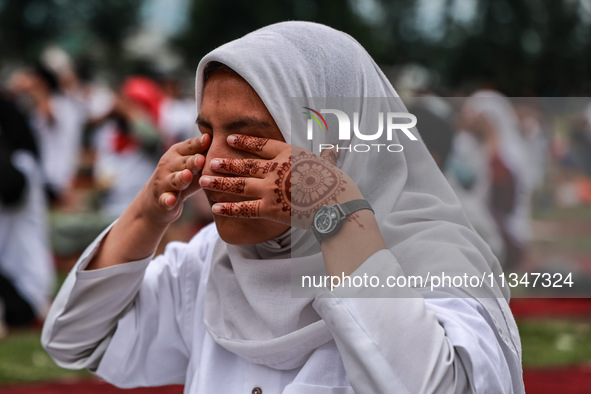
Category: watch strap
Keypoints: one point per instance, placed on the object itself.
(349, 207)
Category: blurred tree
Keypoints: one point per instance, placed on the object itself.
(214, 22)
(526, 47)
(88, 29)
(24, 26)
(519, 46)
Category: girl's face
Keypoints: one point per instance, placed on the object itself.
(231, 106)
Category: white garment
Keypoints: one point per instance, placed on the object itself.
(513, 152)
(177, 119)
(124, 173)
(59, 143)
(469, 161)
(158, 336)
(536, 151)
(25, 257)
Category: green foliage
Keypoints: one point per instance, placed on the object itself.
(526, 46)
(519, 46)
(215, 22)
(82, 27)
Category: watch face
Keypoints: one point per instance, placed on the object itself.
(326, 220)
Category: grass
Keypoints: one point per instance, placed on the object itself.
(554, 342)
(23, 360)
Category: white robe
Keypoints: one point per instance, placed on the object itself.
(141, 324)
(25, 255)
(59, 143)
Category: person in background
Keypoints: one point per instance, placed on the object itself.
(436, 131)
(128, 143)
(57, 124)
(177, 112)
(502, 179)
(535, 140)
(27, 274)
(458, 159)
(125, 136)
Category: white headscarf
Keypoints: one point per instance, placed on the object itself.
(249, 309)
(512, 151)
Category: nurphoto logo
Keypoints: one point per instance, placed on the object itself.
(394, 121)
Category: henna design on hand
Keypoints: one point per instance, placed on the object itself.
(242, 209)
(270, 167)
(246, 166)
(230, 185)
(250, 143)
(330, 156)
(355, 218)
(314, 182)
(283, 189)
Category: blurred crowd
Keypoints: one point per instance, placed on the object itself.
(73, 155)
(61, 133)
(508, 157)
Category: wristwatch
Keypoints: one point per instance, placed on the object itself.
(329, 218)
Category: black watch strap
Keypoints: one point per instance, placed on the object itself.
(353, 206)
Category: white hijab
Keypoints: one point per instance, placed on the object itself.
(249, 309)
(499, 110)
(512, 150)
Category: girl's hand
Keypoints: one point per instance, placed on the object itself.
(287, 184)
(175, 179)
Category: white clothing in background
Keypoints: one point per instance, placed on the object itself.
(536, 151)
(25, 257)
(124, 173)
(469, 175)
(513, 152)
(59, 142)
(177, 119)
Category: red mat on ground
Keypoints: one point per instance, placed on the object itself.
(550, 307)
(86, 387)
(565, 380)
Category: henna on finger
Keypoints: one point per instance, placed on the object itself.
(283, 189)
(249, 143)
(246, 166)
(229, 185)
(242, 209)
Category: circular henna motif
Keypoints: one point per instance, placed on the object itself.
(314, 183)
